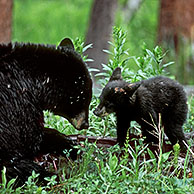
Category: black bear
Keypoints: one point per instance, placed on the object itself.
(34, 78)
(143, 102)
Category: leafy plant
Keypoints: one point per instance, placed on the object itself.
(80, 48)
(6, 187)
(148, 65)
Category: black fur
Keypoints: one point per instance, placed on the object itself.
(142, 102)
(35, 78)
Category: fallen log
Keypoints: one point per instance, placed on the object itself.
(111, 141)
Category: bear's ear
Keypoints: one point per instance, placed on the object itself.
(116, 75)
(66, 42)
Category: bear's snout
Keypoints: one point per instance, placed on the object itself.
(80, 121)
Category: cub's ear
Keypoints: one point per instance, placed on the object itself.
(116, 75)
(66, 42)
(132, 87)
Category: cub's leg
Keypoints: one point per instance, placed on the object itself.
(175, 135)
(123, 124)
(173, 122)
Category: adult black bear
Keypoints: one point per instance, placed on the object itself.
(143, 102)
(34, 78)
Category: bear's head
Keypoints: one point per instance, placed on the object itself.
(73, 86)
(51, 78)
(116, 95)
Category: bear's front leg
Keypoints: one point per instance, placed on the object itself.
(123, 124)
(56, 142)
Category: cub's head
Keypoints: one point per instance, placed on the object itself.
(116, 95)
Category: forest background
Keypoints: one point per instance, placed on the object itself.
(151, 22)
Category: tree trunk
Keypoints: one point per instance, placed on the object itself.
(5, 20)
(130, 8)
(176, 32)
(99, 32)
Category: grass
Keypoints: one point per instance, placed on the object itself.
(104, 172)
(46, 21)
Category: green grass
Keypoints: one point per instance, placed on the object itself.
(102, 172)
(47, 21)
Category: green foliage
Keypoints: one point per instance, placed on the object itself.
(29, 187)
(6, 187)
(190, 121)
(176, 149)
(45, 21)
(149, 65)
(103, 172)
(58, 123)
(98, 126)
(142, 28)
(81, 48)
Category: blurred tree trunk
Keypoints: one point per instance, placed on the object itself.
(99, 32)
(176, 32)
(5, 20)
(130, 8)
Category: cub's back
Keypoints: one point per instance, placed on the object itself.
(163, 86)
(162, 93)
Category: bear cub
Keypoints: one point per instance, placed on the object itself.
(143, 102)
